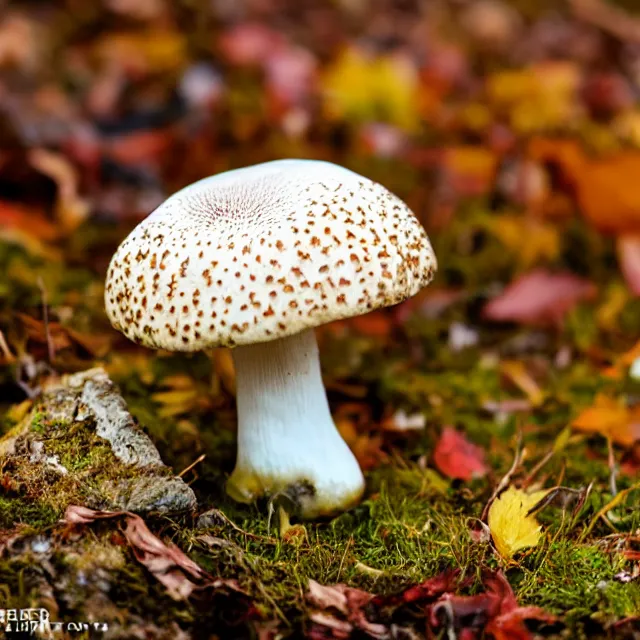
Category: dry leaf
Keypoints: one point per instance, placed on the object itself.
(539, 297)
(610, 418)
(607, 188)
(531, 240)
(349, 602)
(511, 528)
(456, 457)
(539, 97)
(362, 87)
(469, 170)
(167, 563)
(516, 372)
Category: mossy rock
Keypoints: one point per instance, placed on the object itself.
(80, 445)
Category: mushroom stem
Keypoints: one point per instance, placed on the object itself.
(287, 441)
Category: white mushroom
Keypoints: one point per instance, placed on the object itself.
(255, 259)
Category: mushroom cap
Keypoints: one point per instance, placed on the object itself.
(264, 252)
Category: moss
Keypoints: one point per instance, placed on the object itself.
(37, 425)
(37, 514)
(577, 580)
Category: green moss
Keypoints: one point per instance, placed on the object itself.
(37, 424)
(577, 580)
(37, 514)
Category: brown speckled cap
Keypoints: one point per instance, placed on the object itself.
(264, 252)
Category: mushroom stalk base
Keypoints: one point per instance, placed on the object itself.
(287, 441)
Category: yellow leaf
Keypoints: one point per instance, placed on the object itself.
(530, 239)
(540, 97)
(365, 88)
(511, 528)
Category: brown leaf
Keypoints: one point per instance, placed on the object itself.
(539, 297)
(167, 563)
(349, 602)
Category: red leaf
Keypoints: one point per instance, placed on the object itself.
(629, 257)
(539, 297)
(456, 457)
(494, 613)
(424, 592)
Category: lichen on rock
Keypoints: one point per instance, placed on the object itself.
(80, 445)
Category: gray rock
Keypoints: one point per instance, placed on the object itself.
(90, 402)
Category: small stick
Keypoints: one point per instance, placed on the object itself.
(235, 527)
(6, 351)
(613, 468)
(517, 460)
(536, 469)
(193, 464)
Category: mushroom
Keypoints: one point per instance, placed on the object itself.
(254, 259)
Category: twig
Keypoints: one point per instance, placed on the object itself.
(6, 352)
(534, 472)
(193, 464)
(613, 468)
(517, 461)
(614, 20)
(607, 507)
(235, 527)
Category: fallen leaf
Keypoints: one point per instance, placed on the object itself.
(224, 368)
(516, 372)
(423, 593)
(139, 147)
(494, 612)
(511, 528)
(606, 188)
(610, 418)
(456, 457)
(628, 247)
(539, 297)
(469, 170)
(366, 447)
(349, 602)
(180, 575)
(362, 87)
(538, 97)
(530, 239)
